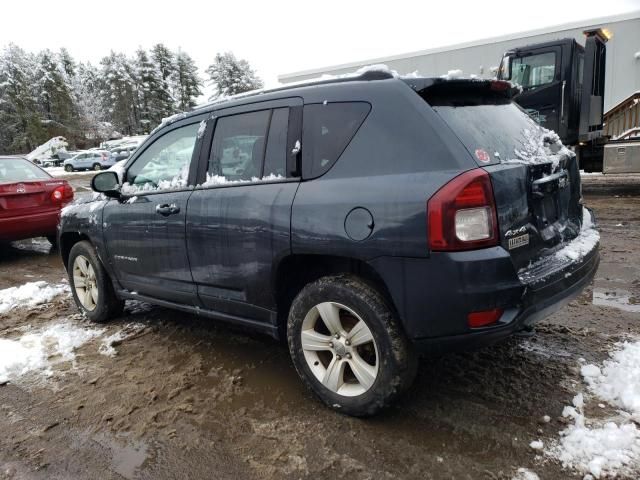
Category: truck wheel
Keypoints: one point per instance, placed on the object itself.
(97, 166)
(347, 346)
(90, 284)
(68, 168)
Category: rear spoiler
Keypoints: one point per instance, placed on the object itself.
(436, 86)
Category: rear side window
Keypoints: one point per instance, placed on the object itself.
(239, 145)
(19, 170)
(327, 130)
(275, 162)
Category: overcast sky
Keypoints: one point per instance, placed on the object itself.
(280, 37)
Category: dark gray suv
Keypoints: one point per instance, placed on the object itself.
(365, 219)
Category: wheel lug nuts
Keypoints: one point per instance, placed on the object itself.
(331, 344)
(347, 342)
(337, 336)
(338, 357)
(348, 355)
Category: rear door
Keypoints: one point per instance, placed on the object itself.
(145, 232)
(535, 179)
(238, 221)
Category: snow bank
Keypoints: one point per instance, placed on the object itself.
(611, 447)
(39, 350)
(29, 295)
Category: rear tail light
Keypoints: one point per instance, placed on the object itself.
(484, 318)
(62, 194)
(462, 214)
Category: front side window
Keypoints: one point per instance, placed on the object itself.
(165, 164)
(327, 130)
(533, 70)
(239, 143)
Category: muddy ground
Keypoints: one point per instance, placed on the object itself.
(186, 398)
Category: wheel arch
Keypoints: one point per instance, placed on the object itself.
(296, 271)
(67, 241)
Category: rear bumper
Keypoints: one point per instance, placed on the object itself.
(434, 296)
(28, 226)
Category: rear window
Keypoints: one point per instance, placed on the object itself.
(492, 128)
(20, 170)
(327, 130)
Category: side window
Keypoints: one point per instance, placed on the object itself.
(239, 146)
(275, 162)
(327, 130)
(533, 70)
(165, 163)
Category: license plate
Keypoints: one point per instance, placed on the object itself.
(519, 241)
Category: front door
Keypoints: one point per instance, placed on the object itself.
(539, 73)
(145, 231)
(238, 221)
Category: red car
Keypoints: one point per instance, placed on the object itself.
(30, 200)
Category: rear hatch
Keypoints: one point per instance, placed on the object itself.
(26, 189)
(536, 181)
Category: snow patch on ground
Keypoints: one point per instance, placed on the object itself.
(29, 295)
(40, 349)
(610, 447)
(525, 474)
(108, 344)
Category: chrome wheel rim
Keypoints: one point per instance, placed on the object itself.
(85, 283)
(340, 349)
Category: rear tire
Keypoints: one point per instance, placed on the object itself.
(347, 345)
(97, 167)
(90, 284)
(68, 168)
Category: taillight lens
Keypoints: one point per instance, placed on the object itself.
(462, 214)
(62, 194)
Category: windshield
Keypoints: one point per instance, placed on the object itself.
(20, 170)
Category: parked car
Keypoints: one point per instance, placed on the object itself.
(89, 160)
(123, 152)
(364, 219)
(30, 200)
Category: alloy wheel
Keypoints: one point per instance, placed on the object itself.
(85, 282)
(339, 349)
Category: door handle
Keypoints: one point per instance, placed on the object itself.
(167, 209)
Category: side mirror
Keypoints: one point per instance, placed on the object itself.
(107, 183)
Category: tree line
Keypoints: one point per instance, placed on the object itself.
(49, 94)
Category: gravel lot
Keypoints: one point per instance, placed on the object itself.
(174, 396)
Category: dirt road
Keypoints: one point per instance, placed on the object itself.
(185, 398)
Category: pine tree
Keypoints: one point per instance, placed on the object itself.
(20, 127)
(118, 92)
(163, 61)
(147, 84)
(91, 114)
(186, 83)
(54, 96)
(231, 76)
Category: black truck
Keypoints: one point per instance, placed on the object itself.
(563, 90)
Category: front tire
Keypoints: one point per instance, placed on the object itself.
(347, 346)
(68, 168)
(90, 284)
